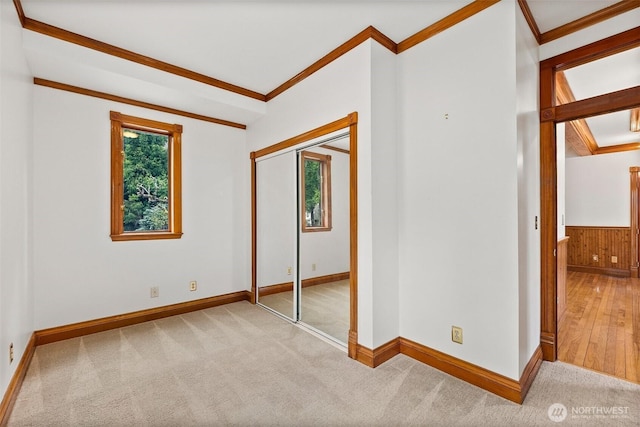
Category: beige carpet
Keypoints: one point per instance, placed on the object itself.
(325, 307)
(241, 365)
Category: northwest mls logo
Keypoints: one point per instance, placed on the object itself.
(557, 412)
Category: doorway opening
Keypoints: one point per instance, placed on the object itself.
(553, 113)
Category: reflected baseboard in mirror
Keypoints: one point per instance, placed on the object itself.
(324, 306)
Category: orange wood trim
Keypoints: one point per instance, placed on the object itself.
(386, 351)
(490, 381)
(575, 141)
(618, 148)
(363, 355)
(634, 121)
(74, 330)
(353, 230)
(589, 20)
(528, 16)
(307, 136)
(361, 37)
(151, 235)
(129, 101)
(579, 128)
(329, 278)
(596, 50)
(68, 36)
(601, 104)
(634, 194)
(381, 38)
(340, 150)
(17, 379)
(22, 18)
(263, 291)
(445, 23)
(376, 357)
(530, 372)
(254, 230)
(617, 272)
(174, 132)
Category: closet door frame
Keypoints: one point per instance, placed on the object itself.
(349, 122)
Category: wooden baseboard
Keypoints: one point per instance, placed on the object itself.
(320, 280)
(530, 372)
(74, 330)
(312, 281)
(15, 384)
(379, 355)
(618, 272)
(263, 291)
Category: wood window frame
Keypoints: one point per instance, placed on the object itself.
(174, 132)
(325, 208)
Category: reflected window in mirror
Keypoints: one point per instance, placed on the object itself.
(316, 191)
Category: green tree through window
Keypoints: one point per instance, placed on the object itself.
(146, 181)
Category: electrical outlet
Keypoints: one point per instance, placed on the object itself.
(10, 353)
(193, 285)
(614, 259)
(289, 271)
(456, 334)
(155, 292)
(313, 267)
(595, 257)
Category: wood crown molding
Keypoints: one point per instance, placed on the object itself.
(129, 101)
(528, 16)
(589, 20)
(368, 33)
(445, 23)
(364, 35)
(17, 379)
(20, 12)
(46, 336)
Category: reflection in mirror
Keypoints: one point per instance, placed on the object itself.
(324, 239)
(276, 232)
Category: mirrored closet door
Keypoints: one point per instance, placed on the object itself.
(303, 235)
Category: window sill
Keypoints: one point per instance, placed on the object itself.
(159, 235)
(314, 229)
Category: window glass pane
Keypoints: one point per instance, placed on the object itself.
(146, 181)
(313, 192)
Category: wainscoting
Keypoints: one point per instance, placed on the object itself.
(594, 250)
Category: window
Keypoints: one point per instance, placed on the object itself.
(316, 191)
(145, 179)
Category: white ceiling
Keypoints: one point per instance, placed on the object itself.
(256, 44)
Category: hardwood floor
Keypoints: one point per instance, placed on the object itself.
(600, 329)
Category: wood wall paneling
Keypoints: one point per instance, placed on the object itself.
(593, 248)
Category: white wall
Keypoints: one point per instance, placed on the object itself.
(16, 119)
(528, 133)
(80, 274)
(342, 87)
(458, 183)
(384, 178)
(597, 189)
